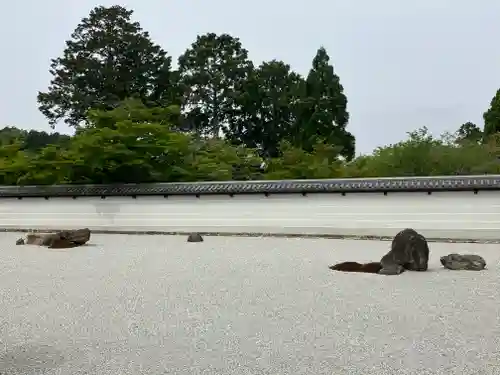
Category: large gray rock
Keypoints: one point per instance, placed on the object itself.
(409, 251)
(195, 237)
(469, 262)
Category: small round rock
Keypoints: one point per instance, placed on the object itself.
(195, 237)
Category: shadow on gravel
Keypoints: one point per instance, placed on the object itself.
(27, 359)
(406, 272)
(72, 249)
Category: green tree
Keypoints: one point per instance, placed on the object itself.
(492, 116)
(210, 72)
(134, 144)
(49, 165)
(10, 135)
(13, 163)
(296, 163)
(32, 140)
(217, 160)
(410, 157)
(324, 108)
(129, 144)
(469, 132)
(267, 108)
(109, 58)
(423, 155)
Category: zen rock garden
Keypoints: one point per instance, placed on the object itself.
(410, 251)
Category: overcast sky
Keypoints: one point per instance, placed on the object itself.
(404, 64)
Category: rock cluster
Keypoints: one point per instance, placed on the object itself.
(409, 251)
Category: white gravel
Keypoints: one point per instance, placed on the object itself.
(158, 305)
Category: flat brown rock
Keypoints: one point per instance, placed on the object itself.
(60, 240)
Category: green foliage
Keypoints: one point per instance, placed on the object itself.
(128, 144)
(210, 72)
(109, 58)
(295, 163)
(35, 140)
(423, 155)
(323, 109)
(32, 140)
(469, 132)
(136, 144)
(492, 116)
(218, 117)
(216, 160)
(13, 163)
(267, 106)
(49, 166)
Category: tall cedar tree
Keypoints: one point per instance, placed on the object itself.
(324, 112)
(210, 71)
(266, 113)
(108, 59)
(492, 117)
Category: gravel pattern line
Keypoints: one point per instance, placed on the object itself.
(131, 304)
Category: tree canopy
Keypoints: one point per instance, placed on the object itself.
(108, 59)
(216, 116)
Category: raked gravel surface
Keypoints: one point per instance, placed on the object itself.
(132, 304)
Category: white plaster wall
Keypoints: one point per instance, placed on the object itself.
(457, 215)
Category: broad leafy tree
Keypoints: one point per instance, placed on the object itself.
(128, 144)
(133, 144)
(109, 58)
